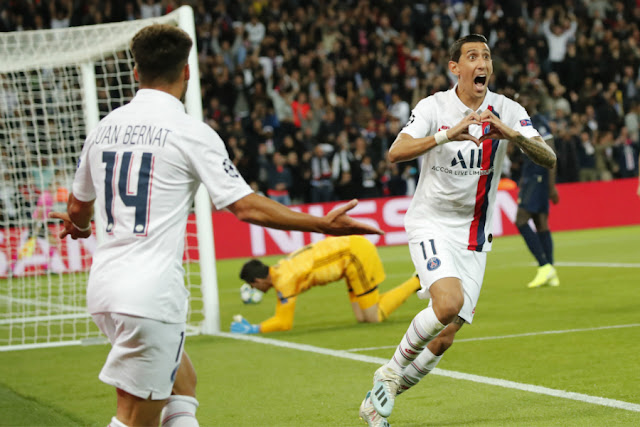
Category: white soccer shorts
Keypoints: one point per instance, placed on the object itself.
(145, 354)
(435, 258)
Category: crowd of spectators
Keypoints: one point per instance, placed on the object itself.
(309, 95)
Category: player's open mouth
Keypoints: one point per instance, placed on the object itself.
(480, 81)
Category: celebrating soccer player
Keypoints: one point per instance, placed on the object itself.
(462, 135)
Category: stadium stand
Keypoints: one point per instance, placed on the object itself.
(335, 80)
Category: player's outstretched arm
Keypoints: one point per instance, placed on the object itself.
(406, 147)
(263, 211)
(535, 148)
(77, 220)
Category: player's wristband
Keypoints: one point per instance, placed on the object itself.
(87, 228)
(441, 137)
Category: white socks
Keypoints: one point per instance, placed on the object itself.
(180, 411)
(116, 423)
(424, 327)
(418, 369)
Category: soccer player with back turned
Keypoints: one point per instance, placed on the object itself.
(142, 166)
(462, 135)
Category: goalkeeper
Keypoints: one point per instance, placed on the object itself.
(352, 258)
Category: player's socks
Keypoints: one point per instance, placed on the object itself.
(534, 244)
(418, 369)
(547, 244)
(394, 298)
(424, 327)
(116, 423)
(180, 411)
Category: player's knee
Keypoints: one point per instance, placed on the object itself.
(447, 309)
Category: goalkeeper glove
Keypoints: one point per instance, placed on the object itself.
(244, 327)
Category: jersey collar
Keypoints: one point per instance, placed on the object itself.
(156, 96)
(463, 108)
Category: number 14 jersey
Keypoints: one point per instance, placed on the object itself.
(143, 165)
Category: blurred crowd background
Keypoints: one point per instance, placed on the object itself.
(309, 95)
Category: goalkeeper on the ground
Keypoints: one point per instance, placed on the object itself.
(352, 258)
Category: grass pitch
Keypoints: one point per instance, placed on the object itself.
(582, 337)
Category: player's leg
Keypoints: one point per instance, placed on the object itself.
(363, 275)
(180, 409)
(142, 365)
(394, 298)
(471, 267)
(545, 269)
(541, 220)
(437, 270)
(136, 411)
(430, 356)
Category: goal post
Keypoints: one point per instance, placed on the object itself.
(55, 86)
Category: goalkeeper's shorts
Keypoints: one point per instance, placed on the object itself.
(364, 273)
(145, 354)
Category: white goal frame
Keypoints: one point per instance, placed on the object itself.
(68, 52)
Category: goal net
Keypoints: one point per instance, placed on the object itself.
(55, 85)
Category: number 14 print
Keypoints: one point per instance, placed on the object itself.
(117, 185)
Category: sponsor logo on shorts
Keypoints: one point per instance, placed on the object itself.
(433, 263)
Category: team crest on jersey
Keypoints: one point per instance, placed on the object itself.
(230, 168)
(526, 122)
(433, 263)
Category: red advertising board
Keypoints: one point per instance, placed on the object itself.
(582, 206)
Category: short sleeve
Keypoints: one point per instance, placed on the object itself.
(211, 164)
(83, 188)
(521, 122)
(422, 120)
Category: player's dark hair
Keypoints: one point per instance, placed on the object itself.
(160, 52)
(254, 269)
(456, 48)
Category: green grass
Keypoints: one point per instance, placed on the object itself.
(251, 384)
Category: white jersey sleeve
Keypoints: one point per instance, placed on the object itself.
(421, 122)
(82, 186)
(211, 163)
(518, 119)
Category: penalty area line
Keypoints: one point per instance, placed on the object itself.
(595, 400)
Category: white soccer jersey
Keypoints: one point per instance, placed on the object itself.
(143, 164)
(458, 182)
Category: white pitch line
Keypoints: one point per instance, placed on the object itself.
(39, 303)
(597, 264)
(595, 400)
(499, 337)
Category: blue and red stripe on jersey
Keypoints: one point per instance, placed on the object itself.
(478, 224)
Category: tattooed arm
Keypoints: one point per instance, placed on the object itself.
(537, 150)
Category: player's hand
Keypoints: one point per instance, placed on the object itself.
(242, 326)
(496, 129)
(554, 196)
(338, 223)
(68, 228)
(460, 132)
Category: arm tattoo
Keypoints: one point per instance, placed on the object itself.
(536, 150)
(458, 321)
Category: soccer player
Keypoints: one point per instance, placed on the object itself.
(353, 258)
(537, 187)
(462, 135)
(142, 166)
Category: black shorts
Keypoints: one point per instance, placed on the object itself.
(534, 194)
